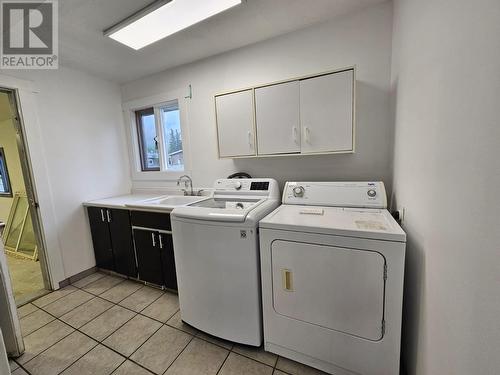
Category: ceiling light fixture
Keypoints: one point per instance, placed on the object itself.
(164, 18)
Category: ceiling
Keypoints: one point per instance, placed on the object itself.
(83, 46)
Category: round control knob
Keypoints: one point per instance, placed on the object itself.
(237, 185)
(298, 191)
(371, 193)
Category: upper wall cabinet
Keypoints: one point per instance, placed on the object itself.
(326, 113)
(277, 118)
(235, 124)
(302, 116)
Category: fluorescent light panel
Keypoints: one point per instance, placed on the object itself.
(167, 20)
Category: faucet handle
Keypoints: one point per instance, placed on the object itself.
(198, 193)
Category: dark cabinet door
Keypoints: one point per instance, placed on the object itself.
(167, 260)
(121, 238)
(148, 256)
(101, 238)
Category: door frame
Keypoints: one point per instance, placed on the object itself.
(35, 172)
(29, 184)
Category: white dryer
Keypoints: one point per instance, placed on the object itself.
(216, 248)
(332, 268)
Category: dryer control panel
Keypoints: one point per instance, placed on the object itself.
(336, 194)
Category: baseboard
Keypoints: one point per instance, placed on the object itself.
(78, 276)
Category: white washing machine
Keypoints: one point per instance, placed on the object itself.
(216, 247)
(332, 267)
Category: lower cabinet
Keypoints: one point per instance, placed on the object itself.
(112, 240)
(155, 257)
(137, 244)
(101, 238)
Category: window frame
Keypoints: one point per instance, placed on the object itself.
(5, 175)
(156, 102)
(140, 140)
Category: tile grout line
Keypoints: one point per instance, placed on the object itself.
(178, 355)
(231, 350)
(72, 363)
(57, 299)
(93, 339)
(255, 360)
(22, 367)
(223, 362)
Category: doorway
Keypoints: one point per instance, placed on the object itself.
(20, 224)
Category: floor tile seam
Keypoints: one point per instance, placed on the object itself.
(211, 342)
(223, 362)
(55, 343)
(22, 367)
(57, 299)
(24, 316)
(255, 360)
(87, 352)
(110, 348)
(67, 312)
(97, 316)
(178, 355)
(104, 291)
(145, 341)
(156, 320)
(156, 299)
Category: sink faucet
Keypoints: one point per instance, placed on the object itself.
(187, 183)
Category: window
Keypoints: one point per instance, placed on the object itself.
(172, 136)
(5, 189)
(148, 139)
(159, 135)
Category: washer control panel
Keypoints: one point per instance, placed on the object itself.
(339, 194)
(265, 187)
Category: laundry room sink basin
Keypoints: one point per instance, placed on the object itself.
(167, 202)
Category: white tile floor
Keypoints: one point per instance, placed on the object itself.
(107, 325)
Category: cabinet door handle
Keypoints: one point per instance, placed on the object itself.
(108, 216)
(306, 134)
(250, 139)
(160, 240)
(153, 239)
(102, 215)
(294, 135)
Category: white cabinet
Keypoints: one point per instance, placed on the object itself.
(235, 124)
(326, 113)
(301, 116)
(277, 118)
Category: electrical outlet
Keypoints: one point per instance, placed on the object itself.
(401, 213)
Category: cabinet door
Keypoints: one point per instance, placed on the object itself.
(167, 260)
(326, 113)
(277, 118)
(148, 256)
(101, 238)
(235, 124)
(121, 239)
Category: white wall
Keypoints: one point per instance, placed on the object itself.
(83, 142)
(363, 39)
(446, 82)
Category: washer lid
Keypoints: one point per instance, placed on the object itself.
(368, 223)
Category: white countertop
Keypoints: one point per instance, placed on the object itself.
(121, 200)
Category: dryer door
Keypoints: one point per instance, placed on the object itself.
(337, 288)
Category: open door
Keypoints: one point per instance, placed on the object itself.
(9, 321)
